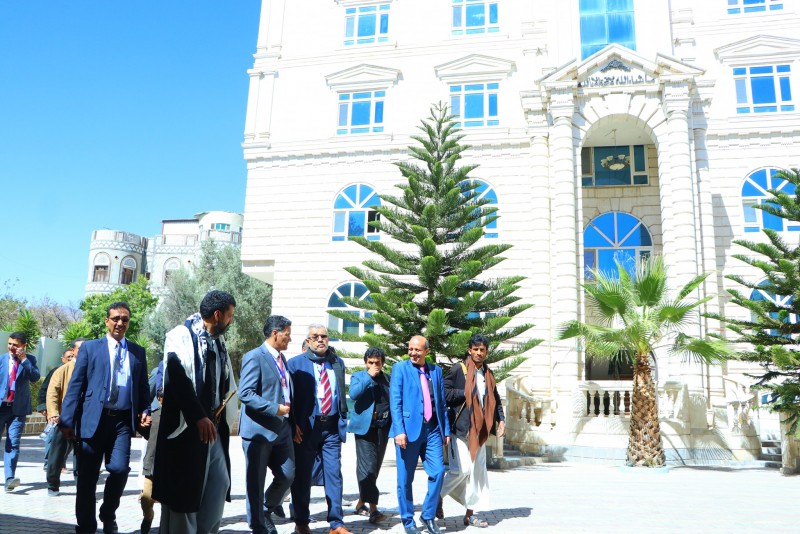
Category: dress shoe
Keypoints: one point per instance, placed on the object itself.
(302, 529)
(270, 526)
(145, 526)
(278, 512)
(431, 525)
(340, 530)
(110, 527)
(12, 483)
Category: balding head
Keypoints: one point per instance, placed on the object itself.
(418, 350)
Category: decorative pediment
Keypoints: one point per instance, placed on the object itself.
(759, 48)
(475, 67)
(363, 77)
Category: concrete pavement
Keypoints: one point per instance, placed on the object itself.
(542, 498)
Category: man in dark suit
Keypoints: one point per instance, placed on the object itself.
(319, 413)
(265, 389)
(106, 401)
(17, 370)
(419, 426)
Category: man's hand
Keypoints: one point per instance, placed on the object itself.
(401, 440)
(145, 420)
(44, 413)
(206, 430)
(298, 435)
(283, 409)
(20, 353)
(68, 433)
(374, 371)
(447, 441)
(54, 419)
(501, 429)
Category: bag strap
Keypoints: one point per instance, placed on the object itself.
(464, 369)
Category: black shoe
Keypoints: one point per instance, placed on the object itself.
(110, 527)
(145, 526)
(431, 525)
(278, 512)
(270, 526)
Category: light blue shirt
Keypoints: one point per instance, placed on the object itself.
(123, 376)
(320, 393)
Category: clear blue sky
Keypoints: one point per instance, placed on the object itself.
(115, 114)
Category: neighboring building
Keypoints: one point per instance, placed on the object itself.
(117, 258)
(604, 130)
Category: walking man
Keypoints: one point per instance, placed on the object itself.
(419, 428)
(17, 371)
(475, 407)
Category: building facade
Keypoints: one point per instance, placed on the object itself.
(604, 130)
(117, 258)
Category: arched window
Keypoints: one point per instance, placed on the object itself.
(352, 210)
(486, 192)
(127, 270)
(349, 289)
(754, 191)
(611, 237)
(101, 268)
(780, 301)
(172, 264)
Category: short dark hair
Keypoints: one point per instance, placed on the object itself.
(76, 341)
(478, 339)
(374, 352)
(22, 337)
(117, 305)
(216, 300)
(276, 323)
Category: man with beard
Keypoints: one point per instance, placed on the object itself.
(319, 413)
(191, 472)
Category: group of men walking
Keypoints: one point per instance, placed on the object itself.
(293, 420)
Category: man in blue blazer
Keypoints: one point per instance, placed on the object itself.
(319, 415)
(17, 371)
(265, 389)
(106, 400)
(419, 428)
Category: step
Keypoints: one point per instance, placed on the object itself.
(770, 457)
(771, 450)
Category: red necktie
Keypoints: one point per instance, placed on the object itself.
(327, 396)
(12, 377)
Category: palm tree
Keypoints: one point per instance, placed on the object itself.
(635, 315)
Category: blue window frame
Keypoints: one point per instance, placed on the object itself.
(614, 166)
(737, 7)
(604, 22)
(765, 89)
(611, 237)
(361, 112)
(484, 191)
(755, 191)
(780, 301)
(474, 16)
(475, 104)
(366, 24)
(355, 290)
(353, 210)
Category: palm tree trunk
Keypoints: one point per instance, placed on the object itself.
(644, 443)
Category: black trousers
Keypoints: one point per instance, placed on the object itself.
(60, 447)
(370, 449)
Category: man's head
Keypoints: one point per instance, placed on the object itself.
(75, 347)
(478, 349)
(216, 309)
(278, 332)
(317, 339)
(17, 343)
(374, 357)
(418, 349)
(67, 356)
(118, 316)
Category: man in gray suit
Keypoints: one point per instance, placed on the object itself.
(265, 389)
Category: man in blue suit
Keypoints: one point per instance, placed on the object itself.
(106, 401)
(265, 389)
(17, 371)
(419, 428)
(319, 415)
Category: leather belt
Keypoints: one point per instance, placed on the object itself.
(116, 413)
(326, 418)
(7, 403)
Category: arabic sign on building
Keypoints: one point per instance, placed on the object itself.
(616, 73)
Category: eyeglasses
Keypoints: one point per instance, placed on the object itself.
(316, 337)
(119, 319)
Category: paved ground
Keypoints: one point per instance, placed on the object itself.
(541, 499)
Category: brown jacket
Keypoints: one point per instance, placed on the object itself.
(58, 388)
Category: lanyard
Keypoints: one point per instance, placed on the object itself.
(280, 369)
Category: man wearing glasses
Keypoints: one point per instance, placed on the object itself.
(319, 413)
(106, 401)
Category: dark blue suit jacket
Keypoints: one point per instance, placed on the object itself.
(304, 401)
(27, 372)
(405, 400)
(88, 387)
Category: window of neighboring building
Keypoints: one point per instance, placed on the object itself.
(127, 271)
(170, 266)
(615, 237)
(101, 268)
(221, 226)
(604, 22)
(613, 166)
(361, 112)
(366, 24)
(764, 89)
(474, 16)
(355, 290)
(736, 7)
(484, 191)
(755, 191)
(475, 104)
(353, 209)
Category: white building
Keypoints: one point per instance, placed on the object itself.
(602, 128)
(117, 258)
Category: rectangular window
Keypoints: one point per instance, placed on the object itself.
(474, 16)
(604, 22)
(127, 276)
(100, 273)
(221, 226)
(765, 89)
(366, 24)
(372, 233)
(361, 112)
(737, 7)
(614, 166)
(475, 104)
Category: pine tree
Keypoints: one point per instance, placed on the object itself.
(430, 278)
(771, 332)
